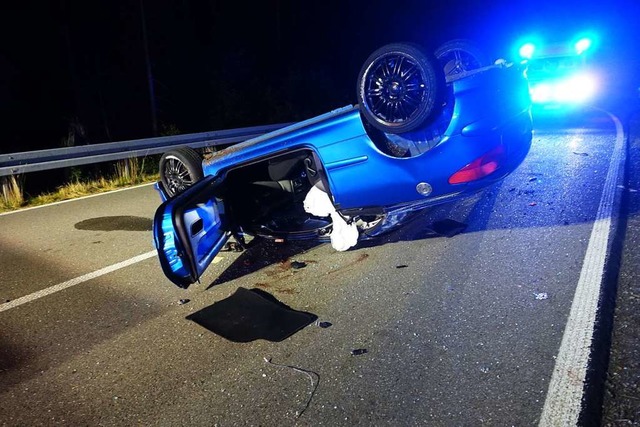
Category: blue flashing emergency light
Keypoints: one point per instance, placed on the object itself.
(575, 89)
(582, 45)
(526, 50)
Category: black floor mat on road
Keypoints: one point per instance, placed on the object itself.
(248, 315)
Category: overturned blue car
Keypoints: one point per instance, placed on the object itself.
(419, 135)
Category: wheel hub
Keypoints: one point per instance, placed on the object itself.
(175, 176)
(395, 90)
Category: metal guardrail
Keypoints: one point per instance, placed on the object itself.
(32, 161)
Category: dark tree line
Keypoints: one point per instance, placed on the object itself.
(88, 71)
(94, 71)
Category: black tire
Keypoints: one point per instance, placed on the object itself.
(180, 169)
(400, 87)
(460, 55)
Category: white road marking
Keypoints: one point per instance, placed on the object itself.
(564, 398)
(73, 282)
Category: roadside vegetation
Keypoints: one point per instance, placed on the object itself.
(80, 182)
(12, 193)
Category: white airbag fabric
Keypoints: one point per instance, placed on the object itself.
(343, 236)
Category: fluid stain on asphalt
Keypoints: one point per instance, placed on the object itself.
(360, 258)
(287, 291)
(115, 223)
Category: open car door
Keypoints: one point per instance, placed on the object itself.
(189, 230)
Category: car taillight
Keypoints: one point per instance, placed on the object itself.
(480, 167)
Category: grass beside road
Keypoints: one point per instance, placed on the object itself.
(127, 173)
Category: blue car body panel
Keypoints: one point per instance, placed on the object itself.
(490, 111)
(189, 232)
(360, 175)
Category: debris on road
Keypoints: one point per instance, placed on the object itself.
(629, 189)
(232, 247)
(532, 179)
(533, 204)
(314, 377)
(324, 325)
(296, 265)
(541, 295)
(359, 351)
(183, 301)
(251, 314)
(581, 154)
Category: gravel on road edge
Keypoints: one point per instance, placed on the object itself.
(621, 405)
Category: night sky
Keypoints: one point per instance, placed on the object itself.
(81, 66)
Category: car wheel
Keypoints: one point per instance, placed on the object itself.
(400, 87)
(460, 55)
(180, 169)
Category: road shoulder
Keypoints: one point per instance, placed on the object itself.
(621, 405)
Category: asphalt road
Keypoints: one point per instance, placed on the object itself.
(465, 330)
